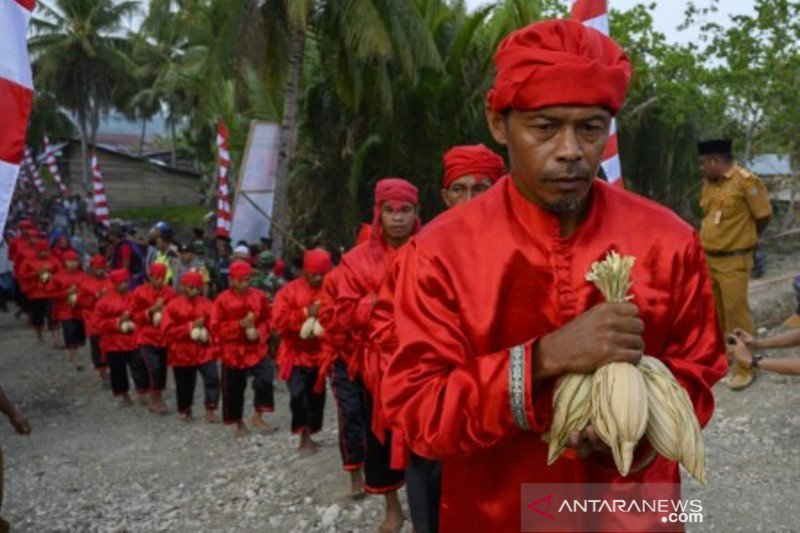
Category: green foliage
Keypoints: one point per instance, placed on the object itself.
(388, 86)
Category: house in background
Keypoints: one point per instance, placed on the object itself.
(776, 171)
(131, 181)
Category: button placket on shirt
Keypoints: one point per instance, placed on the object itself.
(563, 273)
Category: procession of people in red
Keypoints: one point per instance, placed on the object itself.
(442, 344)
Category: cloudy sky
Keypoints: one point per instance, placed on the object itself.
(668, 14)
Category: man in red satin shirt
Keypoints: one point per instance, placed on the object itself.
(486, 322)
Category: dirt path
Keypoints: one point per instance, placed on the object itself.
(91, 465)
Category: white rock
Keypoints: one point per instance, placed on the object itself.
(330, 515)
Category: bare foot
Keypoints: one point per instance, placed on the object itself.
(393, 519)
(155, 403)
(211, 416)
(262, 425)
(186, 416)
(126, 401)
(357, 485)
(307, 444)
(241, 430)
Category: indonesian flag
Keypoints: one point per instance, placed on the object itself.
(223, 194)
(52, 166)
(16, 94)
(33, 170)
(594, 14)
(99, 194)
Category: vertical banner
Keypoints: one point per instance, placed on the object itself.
(16, 94)
(255, 190)
(101, 214)
(223, 190)
(594, 14)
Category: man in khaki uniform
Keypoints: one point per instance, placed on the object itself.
(735, 212)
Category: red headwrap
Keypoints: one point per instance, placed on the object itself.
(397, 192)
(240, 270)
(476, 160)
(41, 245)
(192, 279)
(559, 62)
(25, 224)
(317, 261)
(70, 255)
(157, 270)
(120, 275)
(97, 261)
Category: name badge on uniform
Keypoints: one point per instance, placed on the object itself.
(717, 217)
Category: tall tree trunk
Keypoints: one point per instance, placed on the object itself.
(174, 156)
(288, 143)
(142, 136)
(84, 149)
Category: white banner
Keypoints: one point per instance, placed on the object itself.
(255, 190)
(8, 180)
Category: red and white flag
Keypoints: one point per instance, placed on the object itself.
(52, 166)
(223, 193)
(594, 14)
(33, 170)
(99, 194)
(16, 94)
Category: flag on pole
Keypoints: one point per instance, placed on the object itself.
(33, 169)
(594, 14)
(99, 194)
(223, 194)
(52, 166)
(16, 94)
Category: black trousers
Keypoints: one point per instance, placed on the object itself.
(97, 354)
(234, 382)
(118, 363)
(74, 333)
(40, 312)
(379, 478)
(185, 380)
(349, 396)
(307, 406)
(154, 360)
(424, 489)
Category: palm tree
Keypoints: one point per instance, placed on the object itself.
(79, 55)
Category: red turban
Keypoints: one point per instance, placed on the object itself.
(25, 224)
(240, 270)
(41, 245)
(120, 276)
(559, 62)
(157, 270)
(192, 279)
(97, 261)
(70, 255)
(317, 261)
(395, 190)
(474, 160)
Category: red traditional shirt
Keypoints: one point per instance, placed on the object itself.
(288, 315)
(177, 323)
(30, 281)
(90, 291)
(109, 310)
(478, 286)
(142, 299)
(65, 281)
(230, 308)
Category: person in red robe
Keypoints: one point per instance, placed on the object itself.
(469, 170)
(363, 269)
(37, 280)
(191, 352)
(147, 307)
(67, 306)
(488, 321)
(295, 316)
(20, 248)
(240, 325)
(92, 288)
(118, 336)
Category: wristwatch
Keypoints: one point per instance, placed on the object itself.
(755, 359)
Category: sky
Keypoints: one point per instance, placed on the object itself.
(668, 14)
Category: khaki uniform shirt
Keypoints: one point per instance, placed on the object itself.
(730, 207)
